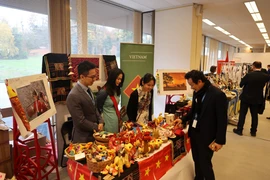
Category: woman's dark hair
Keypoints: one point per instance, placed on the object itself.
(147, 78)
(110, 85)
(84, 68)
(196, 75)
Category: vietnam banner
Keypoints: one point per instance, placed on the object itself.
(135, 61)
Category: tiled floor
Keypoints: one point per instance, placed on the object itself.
(242, 158)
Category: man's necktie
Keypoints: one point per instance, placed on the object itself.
(89, 92)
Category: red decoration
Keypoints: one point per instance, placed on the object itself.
(132, 85)
(26, 167)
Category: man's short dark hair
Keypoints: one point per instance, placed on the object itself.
(257, 64)
(213, 69)
(195, 75)
(84, 68)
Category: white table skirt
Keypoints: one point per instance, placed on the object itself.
(182, 170)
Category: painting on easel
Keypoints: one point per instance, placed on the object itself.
(31, 101)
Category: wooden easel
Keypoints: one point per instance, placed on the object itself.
(26, 167)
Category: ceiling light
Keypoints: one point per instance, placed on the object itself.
(219, 28)
(242, 42)
(231, 36)
(265, 36)
(251, 6)
(256, 17)
(263, 30)
(260, 25)
(210, 23)
(267, 41)
(222, 30)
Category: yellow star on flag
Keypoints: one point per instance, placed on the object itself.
(81, 177)
(70, 167)
(137, 86)
(147, 172)
(166, 157)
(158, 164)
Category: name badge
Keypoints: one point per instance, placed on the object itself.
(194, 124)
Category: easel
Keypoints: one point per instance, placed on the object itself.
(26, 167)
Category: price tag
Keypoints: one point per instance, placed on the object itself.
(79, 156)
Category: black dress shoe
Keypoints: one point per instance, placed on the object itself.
(253, 134)
(267, 117)
(236, 131)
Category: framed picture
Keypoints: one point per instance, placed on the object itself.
(95, 59)
(172, 82)
(31, 101)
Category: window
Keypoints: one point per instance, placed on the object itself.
(108, 26)
(24, 39)
(147, 36)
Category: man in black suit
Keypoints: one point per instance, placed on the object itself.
(207, 123)
(251, 97)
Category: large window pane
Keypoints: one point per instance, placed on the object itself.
(108, 26)
(147, 28)
(24, 39)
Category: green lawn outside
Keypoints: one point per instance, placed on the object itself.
(20, 67)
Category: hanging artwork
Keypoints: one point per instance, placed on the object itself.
(31, 101)
(77, 59)
(172, 82)
(109, 63)
(55, 66)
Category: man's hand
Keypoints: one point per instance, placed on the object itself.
(178, 122)
(215, 147)
(100, 127)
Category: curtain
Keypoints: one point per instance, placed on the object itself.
(210, 50)
(210, 54)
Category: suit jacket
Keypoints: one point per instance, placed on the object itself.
(212, 121)
(133, 103)
(84, 114)
(253, 84)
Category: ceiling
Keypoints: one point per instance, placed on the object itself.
(230, 15)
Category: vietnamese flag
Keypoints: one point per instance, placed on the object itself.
(162, 161)
(146, 168)
(133, 85)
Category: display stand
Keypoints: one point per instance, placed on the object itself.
(30, 167)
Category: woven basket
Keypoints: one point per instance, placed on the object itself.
(102, 143)
(97, 167)
(100, 139)
(72, 157)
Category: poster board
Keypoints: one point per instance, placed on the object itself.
(136, 60)
(172, 81)
(31, 101)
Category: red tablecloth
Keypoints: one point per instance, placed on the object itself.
(152, 167)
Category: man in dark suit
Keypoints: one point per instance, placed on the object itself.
(207, 123)
(81, 105)
(251, 97)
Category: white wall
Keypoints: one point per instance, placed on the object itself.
(251, 57)
(173, 38)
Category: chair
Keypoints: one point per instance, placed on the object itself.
(66, 132)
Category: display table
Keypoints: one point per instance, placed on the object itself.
(162, 163)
